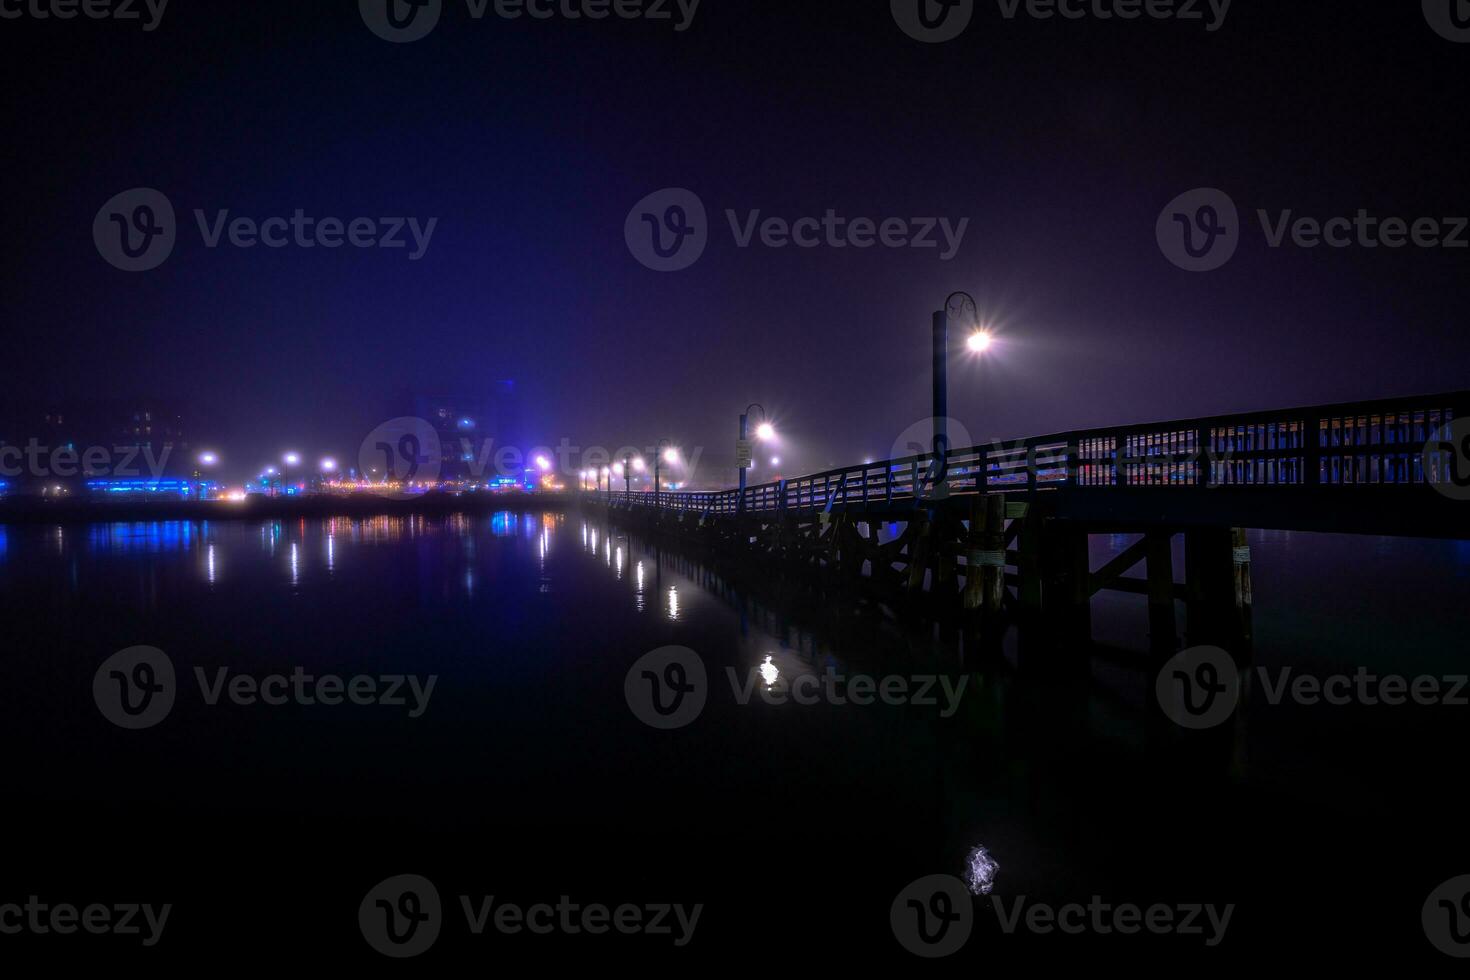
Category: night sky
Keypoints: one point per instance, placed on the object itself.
(530, 141)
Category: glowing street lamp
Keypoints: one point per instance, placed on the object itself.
(291, 459)
(961, 306)
(208, 458)
(543, 464)
(765, 432)
(329, 465)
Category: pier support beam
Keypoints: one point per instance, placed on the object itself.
(1218, 588)
(1163, 628)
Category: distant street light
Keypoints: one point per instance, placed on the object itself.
(329, 465)
(208, 458)
(291, 459)
(979, 342)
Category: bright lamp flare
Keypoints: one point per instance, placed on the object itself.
(291, 459)
(328, 465)
(543, 463)
(765, 432)
(208, 459)
(671, 455)
(638, 464)
(979, 342)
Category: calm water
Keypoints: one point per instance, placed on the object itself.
(528, 776)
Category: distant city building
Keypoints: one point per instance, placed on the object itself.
(53, 448)
(472, 428)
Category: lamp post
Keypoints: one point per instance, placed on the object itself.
(960, 305)
(660, 456)
(764, 431)
(628, 476)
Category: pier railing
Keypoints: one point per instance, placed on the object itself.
(1395, 443)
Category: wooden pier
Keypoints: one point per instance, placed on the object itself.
(998, 535)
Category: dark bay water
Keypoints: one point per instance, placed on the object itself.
(527, 775)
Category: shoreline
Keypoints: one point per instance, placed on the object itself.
(34, 511)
